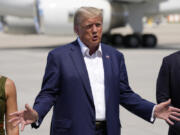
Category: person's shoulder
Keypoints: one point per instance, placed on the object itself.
(10, 87)
(172, 56)
(62, 48)
(111, 49)
(9, 82)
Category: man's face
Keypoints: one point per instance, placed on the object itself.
(90, 31)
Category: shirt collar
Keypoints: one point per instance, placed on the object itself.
(85, 50)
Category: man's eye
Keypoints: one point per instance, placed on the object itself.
(88, 26)
(91, 25)
(98, 24)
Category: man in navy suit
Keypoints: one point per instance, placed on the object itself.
(86, 81)
(168, 85)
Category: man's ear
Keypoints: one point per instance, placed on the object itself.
(76, 29)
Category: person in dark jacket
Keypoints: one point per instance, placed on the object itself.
(168, 85)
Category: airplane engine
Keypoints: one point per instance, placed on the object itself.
(56, 17)
(18, 25)
(20, 8)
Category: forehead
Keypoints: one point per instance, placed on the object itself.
(92, 20)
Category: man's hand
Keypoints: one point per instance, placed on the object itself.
(167, 112)
(24, 117)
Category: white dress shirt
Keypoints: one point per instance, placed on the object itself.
(95, 69)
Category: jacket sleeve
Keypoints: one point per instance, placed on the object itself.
(163, 84)
(130, 100)
(47, 96)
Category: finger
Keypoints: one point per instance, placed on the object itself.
(174, 118)
(33, 112)
(174, 109)
(13, 119)
(28, 107)
(22, 127)
(169, 121)
(176, 114)
(16, 123)
(167, 103)
(16, 113)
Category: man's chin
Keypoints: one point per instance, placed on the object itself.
(96, 42)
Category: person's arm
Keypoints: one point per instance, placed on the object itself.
(129, 99)
(163, 86)
(11, 106)
(142, 107)
(50, 88)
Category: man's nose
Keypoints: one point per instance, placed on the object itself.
(94, 28)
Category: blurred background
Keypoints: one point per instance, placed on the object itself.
(143, 30)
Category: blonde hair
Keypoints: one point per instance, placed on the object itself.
(86, 12)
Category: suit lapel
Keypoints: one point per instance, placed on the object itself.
(79, 63)
(107, 71)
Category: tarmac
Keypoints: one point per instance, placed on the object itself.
(23, 59)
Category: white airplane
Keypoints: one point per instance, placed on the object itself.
(55, 17)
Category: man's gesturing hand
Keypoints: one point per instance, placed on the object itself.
(167, 112)
(24, 117)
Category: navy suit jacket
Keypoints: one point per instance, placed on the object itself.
(66, 87)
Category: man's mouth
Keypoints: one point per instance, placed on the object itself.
(95, 38)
